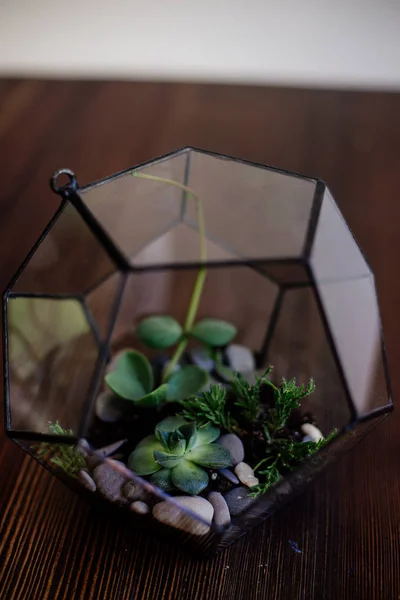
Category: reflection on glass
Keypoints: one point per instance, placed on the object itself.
(52, 354)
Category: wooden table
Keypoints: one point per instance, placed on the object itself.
(52, 545)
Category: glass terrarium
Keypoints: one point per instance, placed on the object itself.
(140, 332)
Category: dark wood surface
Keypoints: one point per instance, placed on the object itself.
(347, 526)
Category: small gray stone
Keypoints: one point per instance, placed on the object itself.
(108, 407)
(246, 474)
(201, 358)
(229, 475)
(87, 482)
(234, 445)
(132, 492)
(140, 508)
(168, 513)
(238, 499)
(307, 438)
(222, 516)
(240, 358)
(109, 482)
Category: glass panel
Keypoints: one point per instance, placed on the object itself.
(236, 294)
(52, 354)
(300, 348)
(100, 303)
(252, 212)
(181, 244)
(69, 260)
(347, 292)
(335, 253)
(135, 211)
(352, 313)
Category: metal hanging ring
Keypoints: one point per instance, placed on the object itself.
(68, 187)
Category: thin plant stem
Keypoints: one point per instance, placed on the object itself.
(180, 349)
(201, 275)
(199, 206)
(258, 465)
(195, 299)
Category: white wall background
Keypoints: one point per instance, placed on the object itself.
(346, 43)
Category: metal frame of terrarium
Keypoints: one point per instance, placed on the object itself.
(70, 193)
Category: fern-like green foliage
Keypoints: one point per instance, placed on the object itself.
(209, 408)
(248, 395)
(286, 398)
(63, 456)
(283, 456)
(270, 477)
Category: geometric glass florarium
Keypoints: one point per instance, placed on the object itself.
(279, 263)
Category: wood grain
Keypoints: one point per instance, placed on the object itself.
(347, 526)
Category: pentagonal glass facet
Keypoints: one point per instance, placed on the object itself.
(68, 260)
(346, 288)
(251, 211)
(135, 212)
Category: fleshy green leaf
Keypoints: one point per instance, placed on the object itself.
(163, 436)
(189, 434)
(212, 456)
(185, 382)
(142, 461)
(166, 460)
(176, 443)
(189, 478)
(162, 479)
(207, 434)
(170, 424)
(159, 332)
(155, 398)
(132, 378)
(149, 439)
(214, 332)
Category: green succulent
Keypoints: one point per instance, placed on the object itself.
(174, 456)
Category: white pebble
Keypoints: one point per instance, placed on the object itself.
(140, 508)
(311, 431)
(246, 474)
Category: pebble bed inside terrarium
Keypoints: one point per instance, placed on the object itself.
(224, 437)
